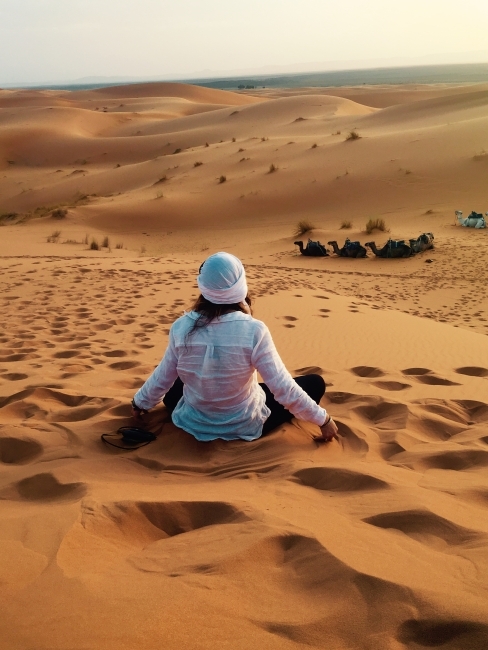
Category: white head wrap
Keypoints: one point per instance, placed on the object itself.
(222, 279)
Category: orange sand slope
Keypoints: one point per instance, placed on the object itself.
(379, 541)
(376, 542)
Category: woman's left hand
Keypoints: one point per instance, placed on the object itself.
(329, 432)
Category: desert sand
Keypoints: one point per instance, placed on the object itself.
(378, 541)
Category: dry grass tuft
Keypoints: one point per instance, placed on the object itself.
(120, 245)
(314, 146)
(53, 238)
(353, 135)
(197, 163)
(59, 213)
(94, 246)
(303, 227)
(272, 168)
(106, 242)
(222, 179)
(376, 224)
(345, 225)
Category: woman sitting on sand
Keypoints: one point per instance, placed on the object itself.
(207, 375)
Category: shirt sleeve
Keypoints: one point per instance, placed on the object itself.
(286, 391)
(161, 379)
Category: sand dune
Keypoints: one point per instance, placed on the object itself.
(375, 542)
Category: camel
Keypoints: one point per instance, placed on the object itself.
(475, 220)
(392, 248)
(422, 243)
(350, 249)
(312, 249)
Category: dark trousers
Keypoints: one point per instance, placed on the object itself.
(313, 385)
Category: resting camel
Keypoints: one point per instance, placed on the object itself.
(392, 248)
(422, 243)
(350, 249)
(475, 220)
(313, 249)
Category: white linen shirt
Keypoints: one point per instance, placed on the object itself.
(217, 364)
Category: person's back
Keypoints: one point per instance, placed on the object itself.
(208, 373)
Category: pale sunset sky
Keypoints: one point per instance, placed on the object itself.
(49, 40)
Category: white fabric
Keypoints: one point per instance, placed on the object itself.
(221, 395)
(222, 279)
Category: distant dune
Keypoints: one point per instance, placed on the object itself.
(110, 200)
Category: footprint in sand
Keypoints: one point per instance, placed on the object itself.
(438, 632)
(18, 451)
(336, 479)
(472, 371)
(391, 385)
(43, 487)
(367, 372)
(422, 525)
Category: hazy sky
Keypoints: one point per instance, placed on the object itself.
(43, 40)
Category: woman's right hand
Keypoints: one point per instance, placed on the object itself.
(328, 431)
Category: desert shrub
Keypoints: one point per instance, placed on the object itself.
(197, 164)
(353, 135)
(429, 211)
(59, 213)
(94, 246)
(233, 139)
(8, 216)
(376, 224)
(119, 245)
(240, 150)
(314, 146)
(345, 225)
(303, 227)
(263, 139)
(272, 168)
(53, 238)
(222, 179)
(177, 150)
(106, 242)
(207, 145)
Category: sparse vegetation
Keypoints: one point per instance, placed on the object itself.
(263, 139)
(300, 119)
(408, 171)
(337, 133)
(163, 179)
(177, 150)
(272, 168)
(106, 242)
(314, 146)
(303, 227)
(94, 246)
(207, 145)
(197, 163)
(430, 211)
(222, 179)
(376, 224)
(54, 237)
(240, 150)
(346, 225)
(119, 245)
(85, 241)
(59, 213)
(8, 216)
(244, 159)
(233, 139)
(353, 135)
(117, 165)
